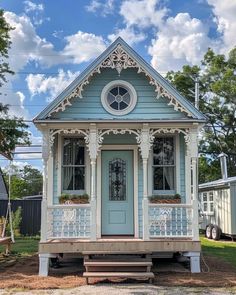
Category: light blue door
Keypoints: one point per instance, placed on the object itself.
(117, 193)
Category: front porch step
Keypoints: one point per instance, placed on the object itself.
(112, 265)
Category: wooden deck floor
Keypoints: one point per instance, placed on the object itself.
(119, 245)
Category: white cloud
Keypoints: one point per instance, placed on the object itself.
(144, 13)
(225, 12)
(128, 34)
(27, 46)
(83, 47)
(15, 99)
(36, 12)
(52, 85)
(99, 6)
(30, 6)
(180, 40)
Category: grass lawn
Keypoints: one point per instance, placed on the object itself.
(223, 249)
(24, 246)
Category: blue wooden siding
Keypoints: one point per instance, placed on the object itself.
(90, 107)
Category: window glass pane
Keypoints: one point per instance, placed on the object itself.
(79, 153)
(68, 152)
(158, 183)
(211, 207)
(169, 178)
(114, 105)
(211, 196)
(117, 180)
(79, 176)
(122, 90)
(168, 151)
(158, 151)
(67, 178)
(204, 197)
(205, 207)
(123, 105)
(114, 91)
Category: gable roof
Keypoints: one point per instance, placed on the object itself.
(120, 55)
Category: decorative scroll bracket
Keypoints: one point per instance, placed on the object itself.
(119, 59)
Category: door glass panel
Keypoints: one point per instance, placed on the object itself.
(117, 180)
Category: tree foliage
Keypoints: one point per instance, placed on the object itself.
(27, 181)
(12, 129)
(5, 44)
(217, 80)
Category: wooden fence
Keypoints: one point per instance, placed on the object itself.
(31, 215)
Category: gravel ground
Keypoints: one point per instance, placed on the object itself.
(119, 289)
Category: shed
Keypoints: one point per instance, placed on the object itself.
(217, 202)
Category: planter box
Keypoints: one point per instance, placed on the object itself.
(165, 201)
(79, 201)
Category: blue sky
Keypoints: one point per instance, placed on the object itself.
(54, 41)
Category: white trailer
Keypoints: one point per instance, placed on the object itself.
(217, 204)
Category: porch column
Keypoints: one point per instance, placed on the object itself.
(45, 157)
(44, 258)
(194, 168)
(93, 147)
(145, 143)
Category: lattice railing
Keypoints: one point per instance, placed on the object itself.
(170, 220)
(68, 221)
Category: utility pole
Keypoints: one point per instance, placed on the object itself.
(196, 80)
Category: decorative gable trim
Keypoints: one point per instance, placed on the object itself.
(119, 59)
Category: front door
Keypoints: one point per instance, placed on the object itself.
(117, 193)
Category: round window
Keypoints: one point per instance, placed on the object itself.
(119, 97)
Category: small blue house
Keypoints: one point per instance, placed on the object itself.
(122, 135)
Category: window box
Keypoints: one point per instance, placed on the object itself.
(165, 199)
(74, 199)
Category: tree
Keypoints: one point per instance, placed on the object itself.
(12, 129)
(217, 78)
(27, 181)
(5, 44)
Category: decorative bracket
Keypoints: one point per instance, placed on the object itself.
(119, 59)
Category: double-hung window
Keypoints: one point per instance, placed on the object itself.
(164, 165)
(207, 202)
(73, 165)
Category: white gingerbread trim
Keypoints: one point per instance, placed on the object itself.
(119, 59)
(173, 130)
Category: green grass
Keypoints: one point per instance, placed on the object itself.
(221, 249)
(24, 246)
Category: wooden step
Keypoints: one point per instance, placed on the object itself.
(149, 275)
(116, 252)
(117, 263)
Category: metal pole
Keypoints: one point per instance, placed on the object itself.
(9, 203)
(196, 93)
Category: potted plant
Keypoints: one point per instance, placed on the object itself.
(74, 199)
(165, 199)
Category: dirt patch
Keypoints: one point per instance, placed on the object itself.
(21, 273)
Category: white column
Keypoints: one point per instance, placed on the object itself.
(145, 143)
(145, 201)
(93, 201)
(93, 147)
(194, 166)
(45, 156)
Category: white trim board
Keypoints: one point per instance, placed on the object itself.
(133, 148)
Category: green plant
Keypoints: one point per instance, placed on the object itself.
(74, 198)
(16, 222)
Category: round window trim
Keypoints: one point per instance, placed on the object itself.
(128, 87)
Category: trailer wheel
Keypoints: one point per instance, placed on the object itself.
(209, 228)
(216, 233)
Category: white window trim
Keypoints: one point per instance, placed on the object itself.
(60, 161)
(208, 202)
(132, 92)
(151, 191)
